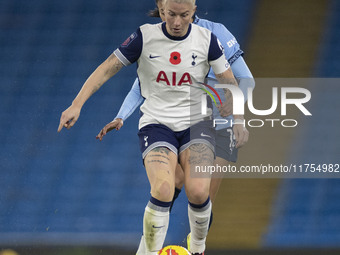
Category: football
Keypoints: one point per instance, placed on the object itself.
(173, 250)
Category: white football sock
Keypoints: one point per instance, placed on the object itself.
(155, 226)
(141, 249)
(199, 217)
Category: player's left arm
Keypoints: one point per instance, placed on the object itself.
(240, 132)
(233, 53)
(224, 75)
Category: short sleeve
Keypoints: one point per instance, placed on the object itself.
(130, 50)
(215, 48)
(216, 57)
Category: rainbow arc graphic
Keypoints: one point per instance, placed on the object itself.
(209, 93)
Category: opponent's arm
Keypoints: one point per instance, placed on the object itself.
(245, 82)
(103, 73)
(243, 75)
(131, 102)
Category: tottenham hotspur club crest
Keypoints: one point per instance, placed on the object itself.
(146, 141)
(194, 59)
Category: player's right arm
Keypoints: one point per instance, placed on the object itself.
(103, 73)
(126, 54)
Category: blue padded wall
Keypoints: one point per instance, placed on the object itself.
(69, 187)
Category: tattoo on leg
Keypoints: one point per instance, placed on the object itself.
(158, 161)
(162, 150)
(198, 147)
(203, 159)
(200, 154)
(158, 154)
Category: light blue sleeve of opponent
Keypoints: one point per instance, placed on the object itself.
(230, 45)
(243, 75)
(245, 81)
(131, 102)
(233, 54)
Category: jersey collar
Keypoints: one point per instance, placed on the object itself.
(175, 38)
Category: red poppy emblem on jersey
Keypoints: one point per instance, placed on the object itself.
(175, 58)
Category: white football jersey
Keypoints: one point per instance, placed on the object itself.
(170, 70)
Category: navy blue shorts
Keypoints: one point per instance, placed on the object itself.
(225, 144)
(158, 135)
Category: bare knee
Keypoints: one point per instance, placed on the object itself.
(163, 191)
(198, 194)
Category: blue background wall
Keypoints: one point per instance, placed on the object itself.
(56, 184)
(69, 188)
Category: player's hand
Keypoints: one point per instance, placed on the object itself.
(241, 134)
(115, 124)
(69, 117)
(226, 109)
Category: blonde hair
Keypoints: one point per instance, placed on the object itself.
(193, 2)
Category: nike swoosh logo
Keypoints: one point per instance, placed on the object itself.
(200, 223)
(158, 227)
(205, 135)
(153, 56)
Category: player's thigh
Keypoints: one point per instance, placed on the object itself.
(179, 177)
(160, 164)
(197, 187)
(159, 147)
